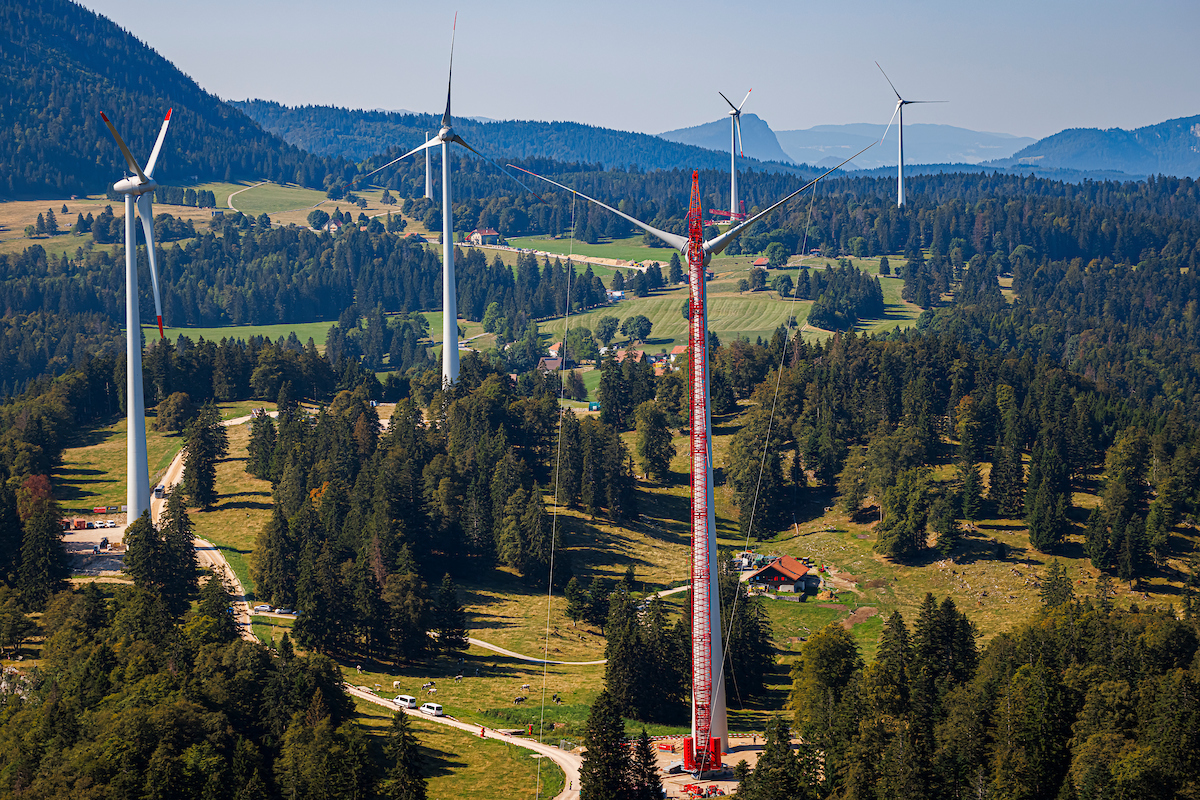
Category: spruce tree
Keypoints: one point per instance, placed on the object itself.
(654, 447)
(43, 570)
(261, 449)
(273, 566)
(449, 620)
(1056, 587)
(576, 601)
(852, 482)
(180, 581)
(207, 443)
(647, 785)
(606, 770)
(405, 779)
(777, 773)
(971, 484)
(144, 560)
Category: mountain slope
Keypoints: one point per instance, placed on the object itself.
(758, 140)
(360, 134)
(923, 144)
(1170, 148)
(61, 65)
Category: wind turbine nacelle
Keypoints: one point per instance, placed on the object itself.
(134, 186)
(446, 134)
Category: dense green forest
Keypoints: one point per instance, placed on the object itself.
(358, 134)
(62, 64)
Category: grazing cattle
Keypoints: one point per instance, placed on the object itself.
(427, 684)
(457, 678)
(432, 691)
(524, 686)
(395, 684)
(518, 700)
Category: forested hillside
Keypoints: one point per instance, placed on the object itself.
(1168, 148)
(61, 65)
(358, 134)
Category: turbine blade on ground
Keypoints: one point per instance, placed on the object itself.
(673, 239)
(889, 80)
(162, 134)
(459, 140)
(145, 210)
(417, 149)
(129, 159)
(716, 245)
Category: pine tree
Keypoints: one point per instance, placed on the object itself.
(404, 779)
(180, 581)
(852, 483)
(606, 770)
(654, 447)
(945, 526)
(207, 443)
(1056, 588)
(647, 785)
(213, 624)
(449, 620)
(43, 570)
(576, 601)
(777, 773)
(972, 490)
(905, 515)
(261, 449)
(273, 567)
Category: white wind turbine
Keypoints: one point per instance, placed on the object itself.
(138, 189)
(900, 104)
(445, 137)
(735, 115)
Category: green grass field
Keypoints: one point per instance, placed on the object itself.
(271, 198)
(460, 766)
(627, 249)
(303, 330)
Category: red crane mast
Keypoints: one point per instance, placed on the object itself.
(701, 750)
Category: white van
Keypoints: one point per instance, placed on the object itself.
(432, 709)
(406, 701)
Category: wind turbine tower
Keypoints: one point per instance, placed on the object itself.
(138, 190)
(702, 750)
(900, 104)
(735, 147)
(445, 137)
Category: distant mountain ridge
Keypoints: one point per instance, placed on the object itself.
(758, 140)
(1170, 148)
(924, 143)
(360, 134)
(61, 65)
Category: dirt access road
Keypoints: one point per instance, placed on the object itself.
(568, 762)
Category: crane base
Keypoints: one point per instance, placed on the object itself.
(695, 760)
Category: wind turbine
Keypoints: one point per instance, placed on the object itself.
(735, 116)
(138, 189)
(710, 724)
(445, 137)
(900, 104)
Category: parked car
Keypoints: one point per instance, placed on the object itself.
(108, 523)
(262, 607)
(285, 611)
(406, 701)
(432, 709)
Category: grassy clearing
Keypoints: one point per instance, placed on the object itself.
(272, 198)
(15, 215)
(303, 330)
(465, 767)
(625, 249)
(241, 511)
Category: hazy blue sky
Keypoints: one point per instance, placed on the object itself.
(1026, 67)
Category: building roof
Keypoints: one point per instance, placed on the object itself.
(786, 566)
(486, 232)
(550, 364)
(761, 262)
(679, 349)
(636, 355)
(555, 348)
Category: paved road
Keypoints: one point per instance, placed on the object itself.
(568, 762)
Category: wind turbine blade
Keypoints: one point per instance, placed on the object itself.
(726, 99)
(145, 210)
(719, 243)
(417, 149)
(673, 239)
(911, 102)
(129, 159)
(889, 80)
(890, 121)
(458, 139)
(450, 77)
(744, 99)
(162, 134)
(737, 124)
